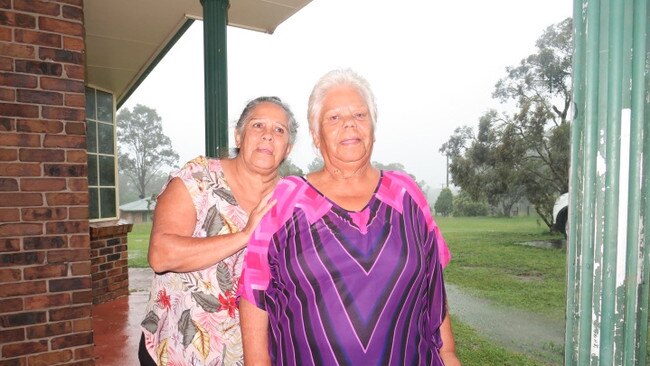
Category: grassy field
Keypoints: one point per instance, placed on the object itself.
(138, 245)
(486, 261)
(489, 260)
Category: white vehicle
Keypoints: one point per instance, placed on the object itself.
(561, 214)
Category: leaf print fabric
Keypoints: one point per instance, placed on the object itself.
(192, 318)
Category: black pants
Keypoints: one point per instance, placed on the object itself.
(143, 354)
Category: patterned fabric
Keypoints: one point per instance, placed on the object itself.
(192, 318)
(349, 288)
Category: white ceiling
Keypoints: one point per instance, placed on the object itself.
(124, 37)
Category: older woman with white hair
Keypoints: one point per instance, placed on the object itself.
(347, 268)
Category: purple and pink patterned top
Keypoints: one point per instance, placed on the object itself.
(349, 288)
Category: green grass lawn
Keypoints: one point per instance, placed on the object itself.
(138, 242)
(487, 261)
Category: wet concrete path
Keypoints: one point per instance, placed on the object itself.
(514, 329)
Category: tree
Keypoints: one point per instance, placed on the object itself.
(526, 153)
(465, 205)
(315, 165)
(289, 168)
(445, 202)
(541, 86)
(143, 147)
(484, 165)
(129, 193)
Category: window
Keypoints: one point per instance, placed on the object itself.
(100, 138)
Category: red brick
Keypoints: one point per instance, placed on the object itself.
(41, 155)
(46, 271)
(39, 97)
(75, 128)
(61, 26)
(70, 312)
(68, 255)
(40, 7)
(67, 85)
(69, 114)
(51, 358)
(10, 275)
(7, 95)
(65, 199)
(39, 126)
(22, 258)
(8, 215)
(66, 227)
(39, 67)
(44, 242)
(47, 301)
(79, 241)
(48, 330)
(75, 213)
(16, 50)
(8, 184)
(37, 38)
(78, 142)
(11, 305)
(9, 245)
(64, 170)
(18, 110)
(20, 139)
(60, 55)
(78, 3)
(5, 35)
(84, 353)
(20, 170)
(72, 340)
(73, 156)
(72, 12)
(25, 348)
(20, 20)
(7, 124)
(18, 80)
(80, 268)
(13, 335)
(73, 44)
(19, 319)
(77, 72)
(42, 184)
(44, 214)
(82, 297)
(75, 100)
(82, 325)
(19, 229)
(78, 184)
(8, 154)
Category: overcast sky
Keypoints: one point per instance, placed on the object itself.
(431, 64)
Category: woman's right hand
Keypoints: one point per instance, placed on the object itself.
(256, 215)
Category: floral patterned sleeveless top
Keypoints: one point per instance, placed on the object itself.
(192, 318)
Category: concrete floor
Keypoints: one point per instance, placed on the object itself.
(116, 324)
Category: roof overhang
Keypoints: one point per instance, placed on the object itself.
(125, 38)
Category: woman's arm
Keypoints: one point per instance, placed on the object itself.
(448, 349)
(171, 245)
(254, 330)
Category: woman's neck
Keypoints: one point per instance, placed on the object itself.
(247, 185)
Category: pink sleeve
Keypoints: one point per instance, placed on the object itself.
(256, 274)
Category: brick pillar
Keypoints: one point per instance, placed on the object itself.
(45, 283)
(109, 261)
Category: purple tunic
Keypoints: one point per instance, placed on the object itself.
(349, 288)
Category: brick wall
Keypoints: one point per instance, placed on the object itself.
(45, 282)
(109, 262)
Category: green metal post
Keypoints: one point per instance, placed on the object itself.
(215, 20)
(608, 264)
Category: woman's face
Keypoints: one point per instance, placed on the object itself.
(346, 133)
(264, 140)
